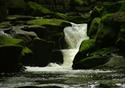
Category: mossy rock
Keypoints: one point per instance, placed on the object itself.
(116, 62)
(109, 29)
(51, 27)
(90, 62)
(104, 51)
(41, 22)
(4, 40)
(87, 45)
(19, 18)
(94, 27)
(41, 53)
(10, 58)
(37, 9)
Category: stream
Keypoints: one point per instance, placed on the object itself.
(43, 77)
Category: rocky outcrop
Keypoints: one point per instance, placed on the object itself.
(108, 32)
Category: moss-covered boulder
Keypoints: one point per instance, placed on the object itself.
(116, 62)
(5, 40)
(94, 27)
(90, 62)
(10, 58)
(12, 53)
(41, 53)
(109, 29)
(86, 47)
(51, 27)
(94, 59)
(38, 9)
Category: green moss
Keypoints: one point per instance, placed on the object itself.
(94, 27)
(87, 45)
(38, 8)
(60, 15)
(122, 8)
(26, 50)
(4, 40)
(46, 22)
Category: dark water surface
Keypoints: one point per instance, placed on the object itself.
(65, 79)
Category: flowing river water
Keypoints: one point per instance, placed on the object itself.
(47, 77)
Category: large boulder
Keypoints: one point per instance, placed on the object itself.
(90, 62)
(38, 9)
(48, 29)
(94, 27)
(86, 47)
(10, 58)
(109, 29)
(116, 62)
(41, 53)
(94, 59)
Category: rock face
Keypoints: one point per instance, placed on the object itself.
(108, 39)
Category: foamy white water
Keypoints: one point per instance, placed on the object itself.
(74, 35)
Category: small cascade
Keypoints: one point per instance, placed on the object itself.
(74, 35)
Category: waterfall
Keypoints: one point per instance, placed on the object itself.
(74, 35)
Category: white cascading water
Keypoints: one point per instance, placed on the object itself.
(74, 35)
